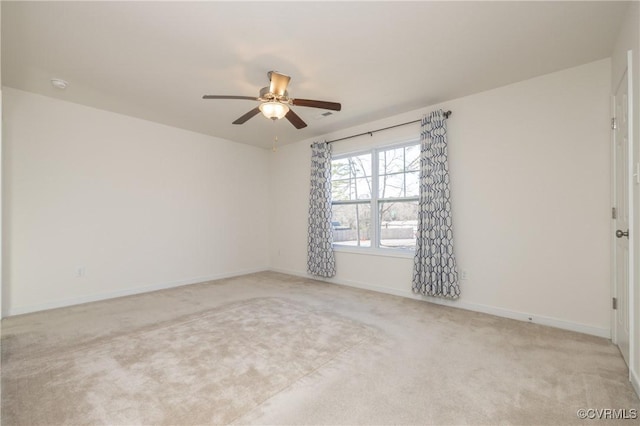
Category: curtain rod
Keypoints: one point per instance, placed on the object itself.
(370, 133)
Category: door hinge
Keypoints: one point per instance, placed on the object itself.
(615, 303)
(614, 123)
(614, 213)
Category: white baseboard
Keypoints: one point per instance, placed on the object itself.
(635, 381)
(492, 310)
(19, 310)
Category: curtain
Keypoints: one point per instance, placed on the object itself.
(320, 257)
(434, 266)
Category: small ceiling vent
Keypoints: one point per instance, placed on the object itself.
(323, 115)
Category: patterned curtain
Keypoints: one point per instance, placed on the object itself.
(320, 258)
(434, 266)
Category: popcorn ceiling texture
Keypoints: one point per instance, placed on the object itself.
(269, 348)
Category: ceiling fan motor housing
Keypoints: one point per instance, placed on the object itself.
(266, 95)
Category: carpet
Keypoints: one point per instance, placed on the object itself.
(274, 349)
(207, 368)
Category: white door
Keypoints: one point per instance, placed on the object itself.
(621, 196)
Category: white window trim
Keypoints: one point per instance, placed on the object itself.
(375, 251)
(375, 248)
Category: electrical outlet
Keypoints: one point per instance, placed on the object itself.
(463, 274)
(80, 271)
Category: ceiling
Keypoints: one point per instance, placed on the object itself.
(155, 60)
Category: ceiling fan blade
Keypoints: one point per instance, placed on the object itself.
(249, 98)
(317, 104)
(279, 83)
(247, 116)
(295, 120)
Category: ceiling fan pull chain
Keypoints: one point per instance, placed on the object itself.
(275, 137)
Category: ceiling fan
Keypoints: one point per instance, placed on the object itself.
(274, 102)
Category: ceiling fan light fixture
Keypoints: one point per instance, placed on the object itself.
(274, 110)
(59, 83)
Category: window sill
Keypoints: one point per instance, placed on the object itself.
(369, 251)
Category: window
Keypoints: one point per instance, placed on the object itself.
(384, 182)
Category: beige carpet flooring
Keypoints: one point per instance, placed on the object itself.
(269, 348)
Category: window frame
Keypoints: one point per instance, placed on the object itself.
(375, 201)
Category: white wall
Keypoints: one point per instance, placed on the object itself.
(529, 166)
(1, 149)
(629, 39)
(137, 204)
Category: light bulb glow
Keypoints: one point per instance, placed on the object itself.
(274, 110)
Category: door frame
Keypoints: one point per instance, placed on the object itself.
(631, 175)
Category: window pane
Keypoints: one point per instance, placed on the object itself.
(391, 161)
(412, 157)
(412, 180)
(352, 225)
(392, 186)
(361, 165)
(340, 169)
(399, 168)
(398, 224)
(341, 189)
(341, 182)
(362, 189)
